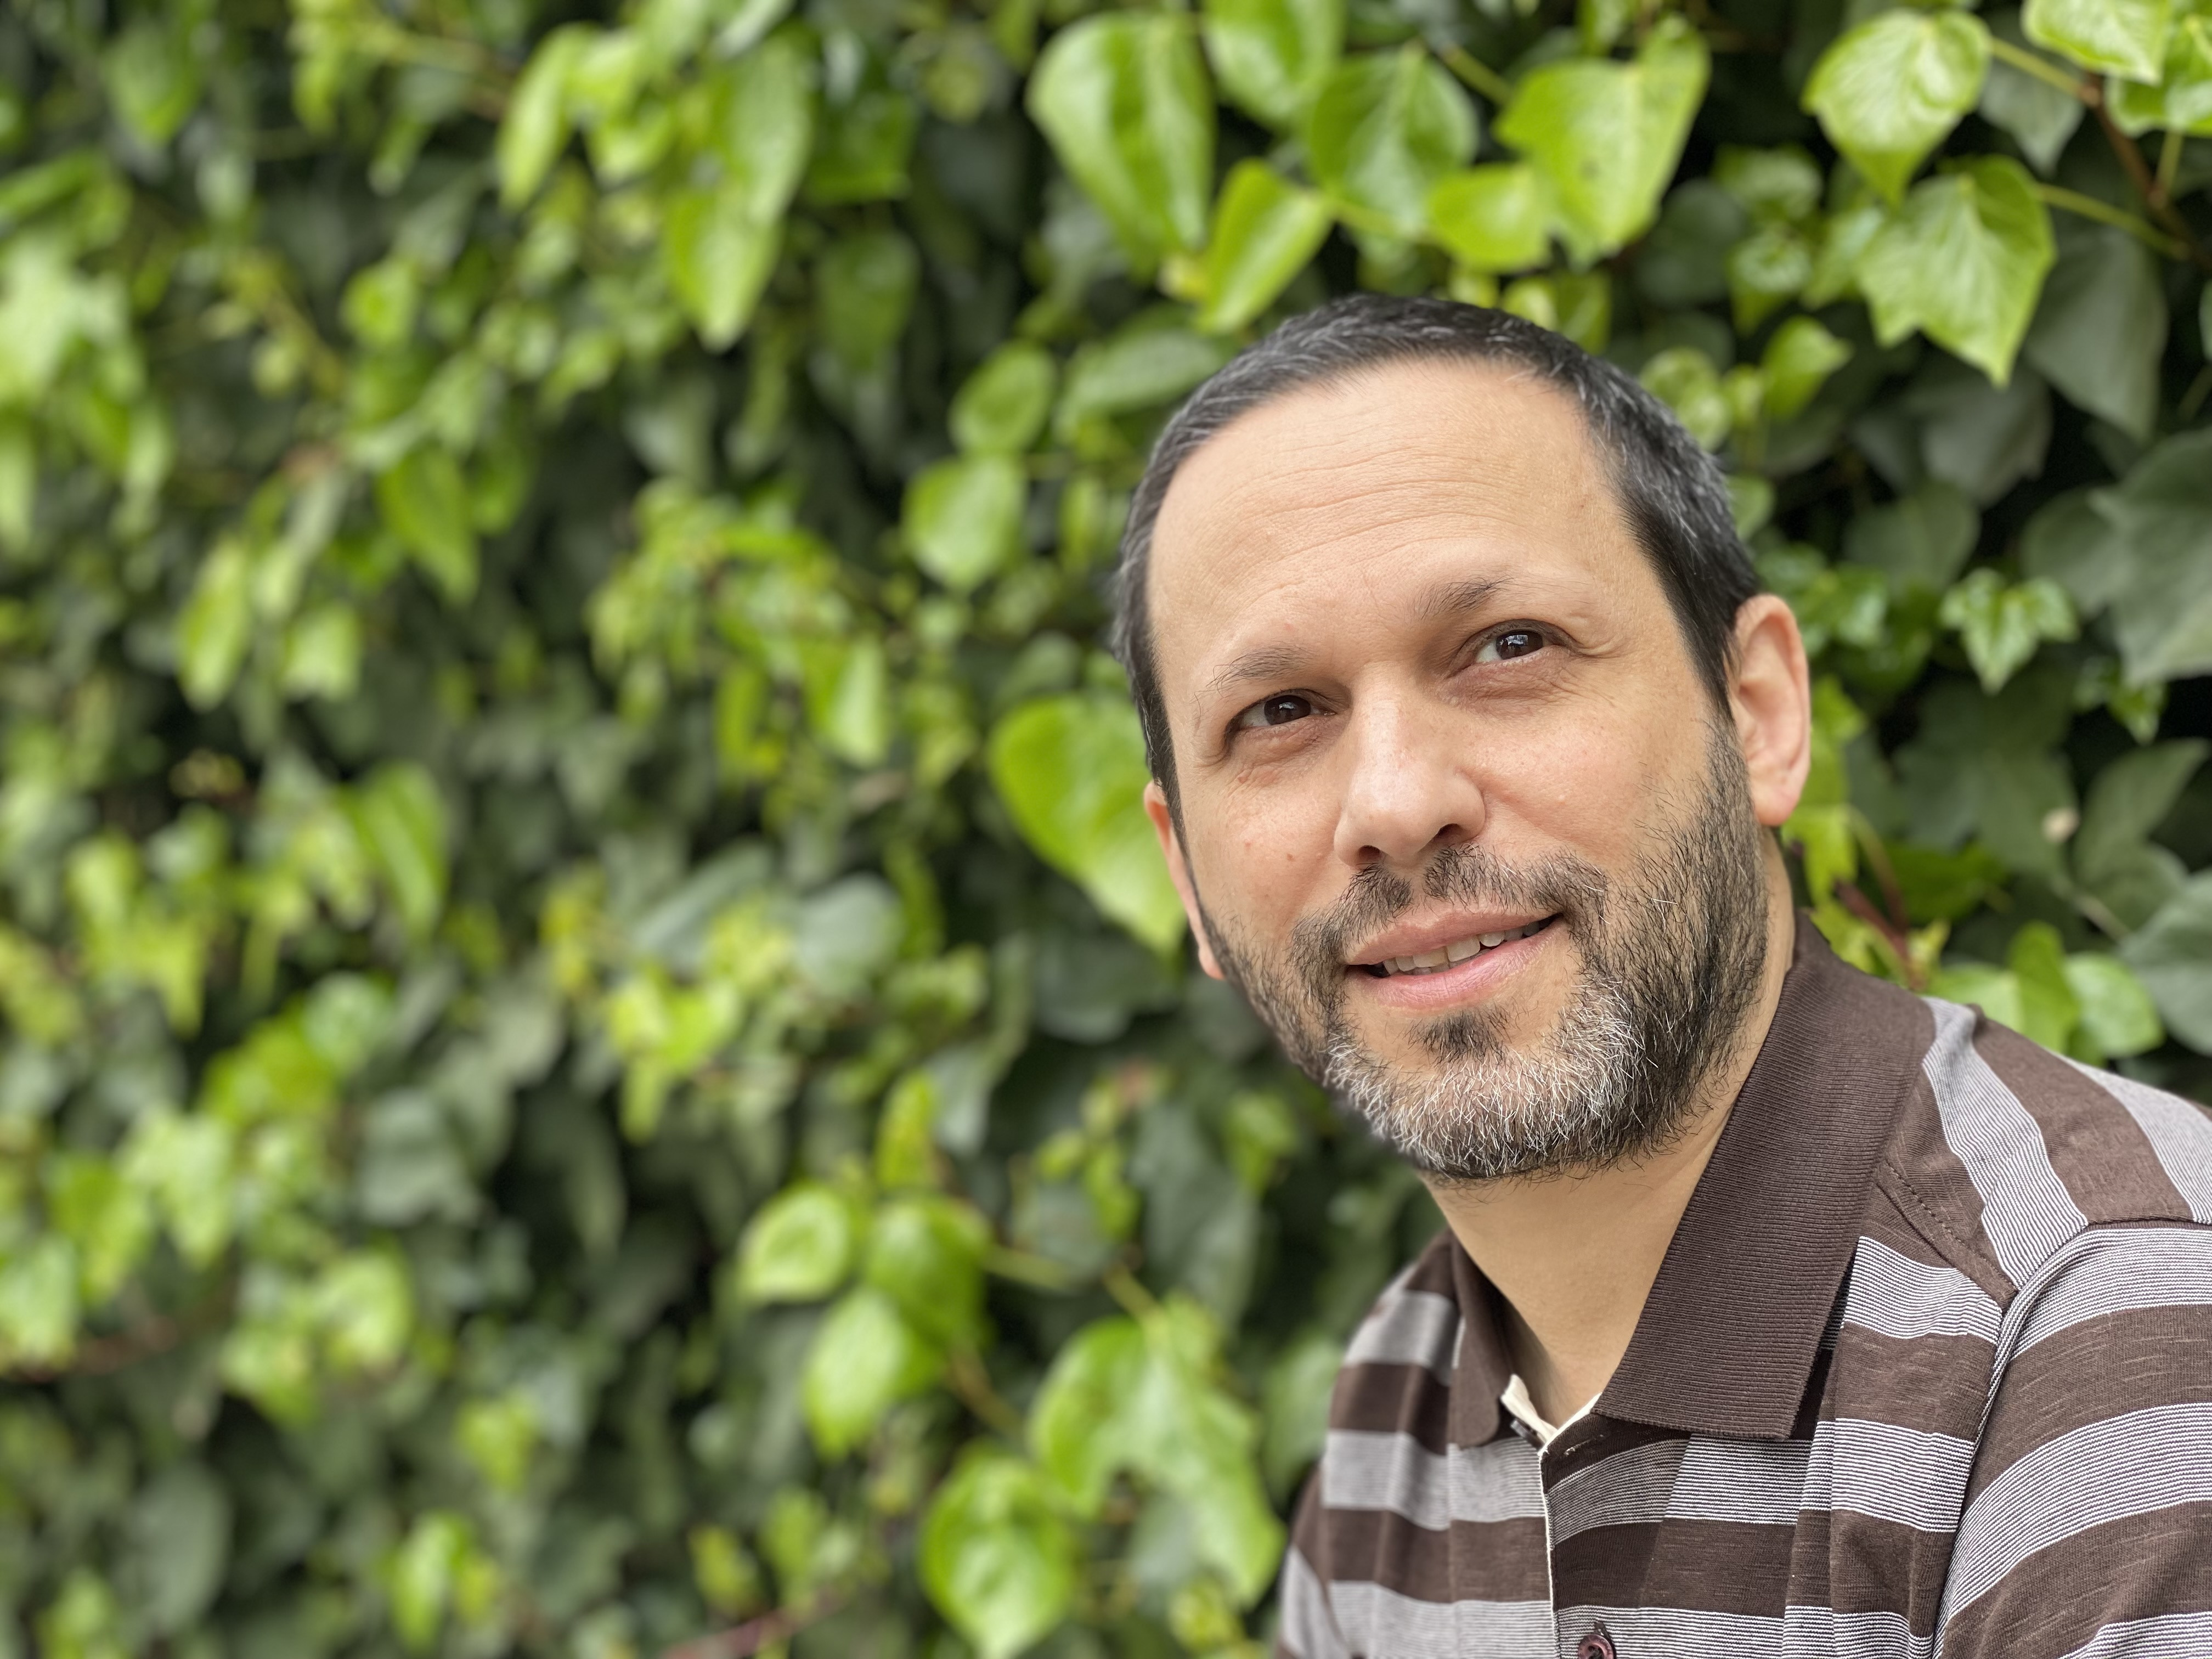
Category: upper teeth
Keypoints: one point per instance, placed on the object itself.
(1458, 951)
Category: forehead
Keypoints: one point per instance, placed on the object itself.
(1335, 500)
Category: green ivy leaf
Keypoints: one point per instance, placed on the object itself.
(865, 1359)
(1889, 91)
(1001, 408)
(1684, 378)
(1271, 56)
(2001, 627)
(799, 1248)
(217, 625)
(536, 127)
(2100, 334)
(996, 1558)
(425, 501)
(1799, 358)
(153, 80)
(1071, 771)
(925, 1253)
(718, 254)
(401, 820)
(1124, 101)
(1495, 218)
(964, 517)
(1384, 129)
(1265, 231)
(2162, 517)
(1607, 136)
(1963, 263)
(2126, 37)
(2118, 1016)
(2173, 957)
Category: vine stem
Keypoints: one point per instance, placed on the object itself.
(2088, 207)
(1477, 74)
(2155, 189)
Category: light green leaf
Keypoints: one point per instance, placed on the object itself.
(152, 78)
(2117, 1013)
(964, 517)
(1074, 1422)
(1495, 218)
(1271, 56)
(718, 255)
(535, 128)
(425, 501)
(799, 1247)
(763, 122)
(2173, 957)
(1071, 771)
(2001, 626)
(1265, 231)
(1765, 269)
(865, 1359)
(401, 820)
(1141, 367)
(1607, 136)
(2162, 517)
(2126, 37)
(1001, 408)
(996, 1558)
(1124, 101)
(1963, 263)
(925, 1253)
(1384, 129)
(217, 625)
(1797, 362)
(2100, 334)
(1889, 91)
(1684, 378)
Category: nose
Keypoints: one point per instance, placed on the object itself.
(1411, 785)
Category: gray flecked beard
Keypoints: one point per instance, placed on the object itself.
(1671, 962)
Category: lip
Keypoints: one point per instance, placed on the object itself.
(1411, 939)
(1463, 982)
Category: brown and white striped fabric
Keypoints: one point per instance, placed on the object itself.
(1927, 1371)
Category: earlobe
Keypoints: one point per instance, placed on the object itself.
(1771, 695)
(1157, 809)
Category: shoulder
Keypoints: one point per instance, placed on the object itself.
(2007, 1154)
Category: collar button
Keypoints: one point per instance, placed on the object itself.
(1598, 1644)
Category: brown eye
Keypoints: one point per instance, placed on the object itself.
(1276, 711)
(1513, 642)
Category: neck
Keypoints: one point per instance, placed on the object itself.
(1574, 1256)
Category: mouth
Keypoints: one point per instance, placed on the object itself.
(1455, 954)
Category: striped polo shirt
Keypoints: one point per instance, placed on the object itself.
(1927, 1370)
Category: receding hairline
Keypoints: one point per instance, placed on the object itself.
(1434, 363)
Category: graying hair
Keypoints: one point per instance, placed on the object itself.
(1673, 493)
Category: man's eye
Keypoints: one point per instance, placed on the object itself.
(1276, 711)
(1513, 642)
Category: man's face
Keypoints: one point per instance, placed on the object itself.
(1456, 811)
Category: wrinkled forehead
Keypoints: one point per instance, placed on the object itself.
(1350, 487)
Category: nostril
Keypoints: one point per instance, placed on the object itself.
(1598, 1644)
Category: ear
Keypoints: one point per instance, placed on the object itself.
(1155, 809)
(1771, 694)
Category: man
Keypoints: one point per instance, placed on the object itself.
(1779, 1311)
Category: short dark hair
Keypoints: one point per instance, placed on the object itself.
(1673, 494)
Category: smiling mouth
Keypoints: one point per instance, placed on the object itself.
(1451, 955)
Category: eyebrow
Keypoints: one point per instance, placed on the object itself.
(1268, 662)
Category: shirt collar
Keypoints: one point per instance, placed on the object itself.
(1730, 1334)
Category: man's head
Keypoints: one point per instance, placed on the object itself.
(1441, 632)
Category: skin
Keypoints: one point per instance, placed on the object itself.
(1406, 612)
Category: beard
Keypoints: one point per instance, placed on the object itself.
(1671, 961)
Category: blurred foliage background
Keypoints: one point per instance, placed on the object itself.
(596, 1057)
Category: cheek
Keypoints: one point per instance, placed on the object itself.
(1592, 788)
(1263, 857)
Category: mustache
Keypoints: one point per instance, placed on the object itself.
(1559, 884)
